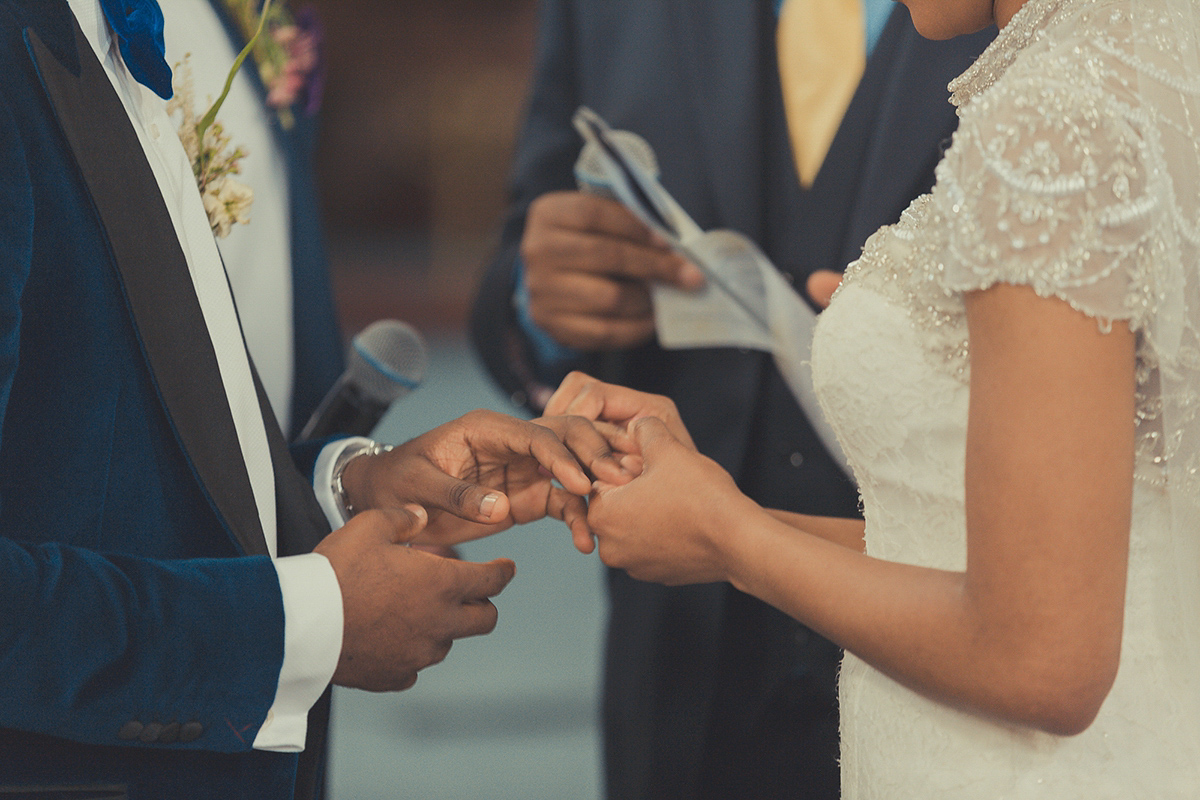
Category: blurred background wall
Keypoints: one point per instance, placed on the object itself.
(421, 109)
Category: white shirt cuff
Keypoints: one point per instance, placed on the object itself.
(312, 643)
(323, 477)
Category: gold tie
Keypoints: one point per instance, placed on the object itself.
(822, 54)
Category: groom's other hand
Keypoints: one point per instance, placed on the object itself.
(403, 607)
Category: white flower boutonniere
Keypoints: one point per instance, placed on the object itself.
(226, 200)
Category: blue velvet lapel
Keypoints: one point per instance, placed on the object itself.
(55, 26)
(154, 273)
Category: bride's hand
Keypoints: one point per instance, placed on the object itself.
(666, 524)
(582, 395)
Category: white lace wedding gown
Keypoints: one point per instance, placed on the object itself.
(1075, 170)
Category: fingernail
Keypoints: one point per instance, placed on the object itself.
(488, 503)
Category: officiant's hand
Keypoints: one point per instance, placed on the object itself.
(665, 525)
(486, 471)
(589, 263)
(821, 285)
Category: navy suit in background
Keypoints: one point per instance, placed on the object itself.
(708, 692)
(142, 624)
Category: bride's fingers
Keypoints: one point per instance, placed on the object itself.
(572, 510)
(596, 445)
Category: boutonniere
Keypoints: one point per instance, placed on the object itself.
(288, 55)
(226, 200)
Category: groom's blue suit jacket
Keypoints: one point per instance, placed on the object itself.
(141, 624)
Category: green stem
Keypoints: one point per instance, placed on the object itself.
(208, 119)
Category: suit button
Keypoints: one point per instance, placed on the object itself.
(169, 734)
(130, 731)
(190, 731)
(150, 733)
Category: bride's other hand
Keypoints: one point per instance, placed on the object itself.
(666, 524)
(582, 395)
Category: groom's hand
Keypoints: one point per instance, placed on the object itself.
(403, 607)
(486, 471)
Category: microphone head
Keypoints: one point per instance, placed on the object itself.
(387, 360)
(589, 172)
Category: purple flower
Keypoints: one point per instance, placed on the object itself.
(303, 71)
(309, 22)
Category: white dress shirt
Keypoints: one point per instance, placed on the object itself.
(312, 600)
(258, 256)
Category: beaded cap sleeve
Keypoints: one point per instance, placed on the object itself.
(1047, 186)
(1076, 175)
(1058, 178)
(1073, 171)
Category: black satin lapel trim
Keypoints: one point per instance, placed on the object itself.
(301, 521)
(158, 286)
(722, 53)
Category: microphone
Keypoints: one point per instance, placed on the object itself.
(385, 362)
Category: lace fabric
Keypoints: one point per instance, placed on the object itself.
(1075, 171)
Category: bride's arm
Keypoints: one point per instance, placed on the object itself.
(1031, 631)
(839, 530)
